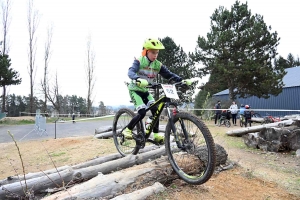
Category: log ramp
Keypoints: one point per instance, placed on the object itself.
(111, 176)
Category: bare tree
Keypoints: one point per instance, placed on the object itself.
(53, 95)
(6, 19)
(33, 21)
(90, 72)
(47, 55)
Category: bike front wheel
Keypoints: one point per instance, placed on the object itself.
(124, 146)
(241, 122)
(192, 151)
(227, 123)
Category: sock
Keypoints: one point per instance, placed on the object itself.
(155, 134)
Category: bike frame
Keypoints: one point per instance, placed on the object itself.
(161, 103)
(274, 119)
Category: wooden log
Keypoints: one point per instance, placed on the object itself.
(103, 129)
(243, 131)
(37, 184)
(130, 179)
(56, 179)
(105, 135)
(108, 133)
(114, 184)
(143, 193)
(12, 179)
(65, 177)
(257, 119)
(161, 128)
(275, 139)
(115, 165)
(96, 161)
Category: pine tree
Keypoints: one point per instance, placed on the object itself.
(8, 76)
(241, 49)
(178, 62)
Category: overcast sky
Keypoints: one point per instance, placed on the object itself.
(118, 29)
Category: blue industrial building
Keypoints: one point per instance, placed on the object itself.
(288, 99)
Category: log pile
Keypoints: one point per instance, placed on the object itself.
(275, 137)
(106, 177)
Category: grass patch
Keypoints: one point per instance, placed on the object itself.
(16, 122)
(57, 154)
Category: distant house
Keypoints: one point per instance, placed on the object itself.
(288, 99)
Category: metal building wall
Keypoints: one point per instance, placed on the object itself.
(288, 99)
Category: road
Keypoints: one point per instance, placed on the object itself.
(62, 130)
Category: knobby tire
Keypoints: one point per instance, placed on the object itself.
(200, 140)
(121, 120)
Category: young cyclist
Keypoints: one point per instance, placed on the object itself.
(143, 71)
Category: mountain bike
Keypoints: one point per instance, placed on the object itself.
(224, 121)
(242, 120)
(187, 138)
(270, 119)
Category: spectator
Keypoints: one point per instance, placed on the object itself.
(234, 110)
(218, 112)
(73, 117)
(247, 114)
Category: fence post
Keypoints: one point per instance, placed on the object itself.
(55, 130)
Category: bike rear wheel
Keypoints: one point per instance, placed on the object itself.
(121, 120)
(227, 123)
(195, 163)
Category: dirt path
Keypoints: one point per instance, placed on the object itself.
(257, 175)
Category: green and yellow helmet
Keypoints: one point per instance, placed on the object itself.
(151, 43)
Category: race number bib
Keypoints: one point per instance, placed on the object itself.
(170, 91)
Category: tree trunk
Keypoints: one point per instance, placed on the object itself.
(104, 133)
(13, 179)
(243, 131)
(3, 98)
(143, 193)
(97, 161)
(275, 139)
(37, 184)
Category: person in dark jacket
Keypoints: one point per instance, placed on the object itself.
(217, 112)
(247, 114)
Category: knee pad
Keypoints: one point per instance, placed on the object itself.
(142, 112)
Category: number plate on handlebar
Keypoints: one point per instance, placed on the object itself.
(170, 91)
